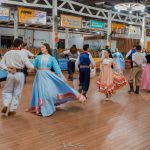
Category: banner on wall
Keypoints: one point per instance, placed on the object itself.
(31, 16)
(118, 28)
(4, 14)
(147, 32)
(68, 21)
(134, 30)
(97, 24)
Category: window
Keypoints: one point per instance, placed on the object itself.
(7, 41)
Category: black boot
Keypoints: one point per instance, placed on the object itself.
(137, 90)
(131, 88)
(4, 110)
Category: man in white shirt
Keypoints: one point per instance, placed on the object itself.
(138, 60)
(28, 54)
(14, 62)
(25, 52)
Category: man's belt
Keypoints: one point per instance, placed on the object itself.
(72, 60)
(81, 66)
(20, 70)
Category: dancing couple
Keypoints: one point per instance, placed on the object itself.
(49, 89)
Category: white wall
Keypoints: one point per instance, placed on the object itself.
(26, 34)
(78, 40)
(45, 36)
(42, 36)
(100, 44)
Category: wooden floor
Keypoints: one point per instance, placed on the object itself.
(123, 124)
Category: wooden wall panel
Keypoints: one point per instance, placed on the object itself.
(123, 44)
(148, 46)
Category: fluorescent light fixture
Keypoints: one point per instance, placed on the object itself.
(100, 3)
(98, 32)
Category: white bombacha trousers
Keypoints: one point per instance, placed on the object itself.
(12, 90)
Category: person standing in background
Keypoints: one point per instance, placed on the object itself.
(119, 60)
(130, 54)
(108, 48)
(138, 60)
(14, 62)
(73, 54)
(144, 52)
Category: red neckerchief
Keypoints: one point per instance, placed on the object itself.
(15, 48)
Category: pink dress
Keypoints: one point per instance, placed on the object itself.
(145, 81)
(109, 80)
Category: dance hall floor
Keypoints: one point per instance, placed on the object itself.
(123, 124)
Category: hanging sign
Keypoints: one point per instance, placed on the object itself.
(118, 28)
(97, 24)
(4, 14)
(134, 30)
(31, 16)
(147, 32)
(68, 21)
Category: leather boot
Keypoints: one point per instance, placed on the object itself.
(131, 88)
(4, 110)
(137, 90)
(11, 113)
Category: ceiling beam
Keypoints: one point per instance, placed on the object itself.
(25, 3)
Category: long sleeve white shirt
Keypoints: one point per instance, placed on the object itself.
(15, 59)
(26, 53)
(138, 59)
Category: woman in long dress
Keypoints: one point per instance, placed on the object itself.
(145, 81)
(109, 80)
(49, 89)
(119, 59)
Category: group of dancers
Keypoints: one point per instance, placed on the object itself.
(51, 89)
